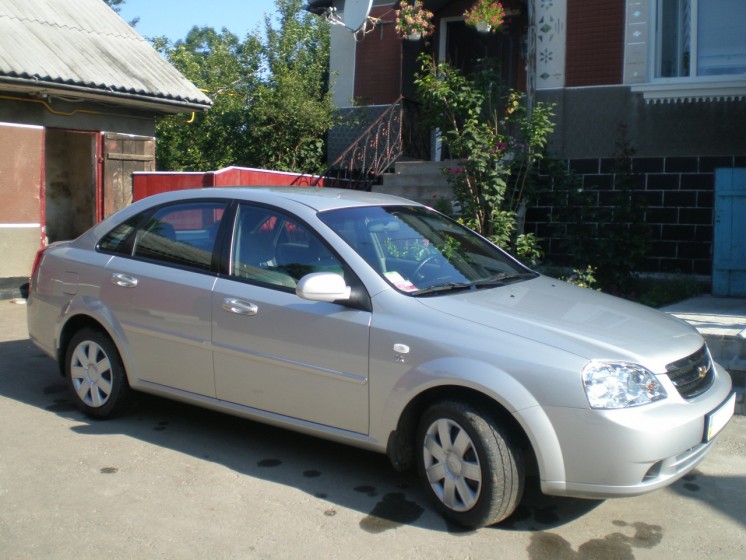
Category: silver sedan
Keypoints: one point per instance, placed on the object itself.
(378, 322)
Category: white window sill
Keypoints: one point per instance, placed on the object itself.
(693, 90)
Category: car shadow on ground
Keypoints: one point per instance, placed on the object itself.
(337, 474)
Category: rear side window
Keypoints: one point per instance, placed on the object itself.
(182, 234)
(116, 240)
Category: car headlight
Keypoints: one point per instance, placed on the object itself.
(620, 385)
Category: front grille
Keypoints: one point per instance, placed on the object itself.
(692, 375)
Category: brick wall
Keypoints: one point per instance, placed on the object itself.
(595, 42)
(378, 60)
(678, 195)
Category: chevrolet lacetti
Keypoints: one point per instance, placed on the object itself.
(378, 322)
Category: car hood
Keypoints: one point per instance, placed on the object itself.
(578, 320)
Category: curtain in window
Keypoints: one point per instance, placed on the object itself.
(721, 37)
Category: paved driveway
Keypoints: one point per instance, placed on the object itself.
(172, 481)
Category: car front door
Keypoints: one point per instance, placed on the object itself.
(275, 351)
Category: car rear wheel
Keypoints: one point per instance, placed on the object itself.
(468, 464)
(95, 375)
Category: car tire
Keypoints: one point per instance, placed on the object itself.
(468, 464)
(95, 375)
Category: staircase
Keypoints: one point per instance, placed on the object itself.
(422, 181)
(383, 158)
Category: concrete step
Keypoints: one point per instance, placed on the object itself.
(722, 322)
(419, 191)
(422, 167)
(414, 180)
(421, 181)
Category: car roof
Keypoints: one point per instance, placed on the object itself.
(316, 198)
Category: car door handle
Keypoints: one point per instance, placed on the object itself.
(123, 280)
(239, 307)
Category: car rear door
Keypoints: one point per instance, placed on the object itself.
(160, 293)
(275, 351)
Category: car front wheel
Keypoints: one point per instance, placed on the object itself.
(468, 464)
(95, 374)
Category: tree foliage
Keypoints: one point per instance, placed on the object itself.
(114, 4)
(227, 71)
(271, 104)
(292, 108)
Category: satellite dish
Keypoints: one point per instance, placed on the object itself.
(355, 13)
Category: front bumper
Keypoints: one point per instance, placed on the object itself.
(608, 453)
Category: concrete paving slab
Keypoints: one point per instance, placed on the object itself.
(712, 315)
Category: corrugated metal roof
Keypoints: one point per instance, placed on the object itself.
(84, 45)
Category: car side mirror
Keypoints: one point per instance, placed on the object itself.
(323, 286)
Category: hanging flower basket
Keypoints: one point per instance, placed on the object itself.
(483, 27)
(485, 15)
(413, 21)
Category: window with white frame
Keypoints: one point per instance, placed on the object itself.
(700, 38)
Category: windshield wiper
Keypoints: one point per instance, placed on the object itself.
(492, 282)
(503, 278)
(441, 288)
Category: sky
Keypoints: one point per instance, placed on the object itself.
(174, 18)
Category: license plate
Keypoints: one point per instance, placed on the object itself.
(718, 418)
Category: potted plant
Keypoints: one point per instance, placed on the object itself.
(485, 15)
(413, 21)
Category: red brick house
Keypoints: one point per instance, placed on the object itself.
(671, 73)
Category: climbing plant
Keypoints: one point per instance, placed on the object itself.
(495, 143)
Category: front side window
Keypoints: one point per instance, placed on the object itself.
(421, 252)
(700, 38)
(269, 247)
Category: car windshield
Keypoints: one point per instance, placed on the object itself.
(422, 252)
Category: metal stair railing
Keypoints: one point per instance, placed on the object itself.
(370, 155)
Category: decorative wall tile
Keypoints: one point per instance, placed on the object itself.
(637, 42)
(550, 43)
